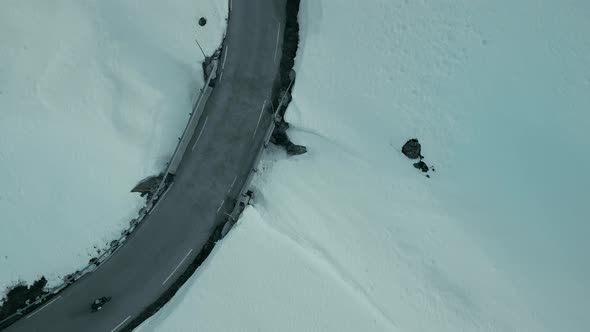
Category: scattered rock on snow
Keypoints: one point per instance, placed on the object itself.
(294, 149)
(202, 21)
(412, 149)
(421, 166)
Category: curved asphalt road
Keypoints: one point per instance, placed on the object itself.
(230, 131)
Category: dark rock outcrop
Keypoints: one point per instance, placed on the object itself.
(412, 149)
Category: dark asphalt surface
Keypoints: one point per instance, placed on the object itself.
(230, 131)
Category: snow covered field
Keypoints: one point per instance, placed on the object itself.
(93, 95)
(350, 237)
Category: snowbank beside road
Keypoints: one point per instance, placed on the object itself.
(495, 240)
(233, 290)
(93, 96)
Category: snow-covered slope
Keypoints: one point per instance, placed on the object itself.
(350, 237)
(245, 276)
(93, 95)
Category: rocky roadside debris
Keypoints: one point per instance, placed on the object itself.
(147, 187)
(413, 150)
(207, 66)
(280, 138)
(282, 89)
(19, 296)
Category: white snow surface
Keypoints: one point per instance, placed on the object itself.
(235, 291)
(350, 237)
(93, 95)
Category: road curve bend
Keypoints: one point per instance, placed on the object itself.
(213, 170)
